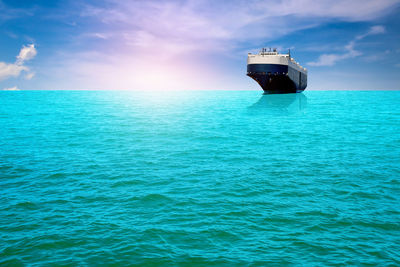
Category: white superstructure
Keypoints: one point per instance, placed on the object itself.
(273, 57)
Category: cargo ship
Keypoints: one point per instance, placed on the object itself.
(276, 73)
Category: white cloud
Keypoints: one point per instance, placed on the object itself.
(378, 29)
(349, 49)
(15, 88)
(8, 70)
(26, 53)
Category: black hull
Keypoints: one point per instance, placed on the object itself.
(275, 84)
(277, 79)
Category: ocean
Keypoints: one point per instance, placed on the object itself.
(199, 178)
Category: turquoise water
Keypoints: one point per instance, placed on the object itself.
(199, 178)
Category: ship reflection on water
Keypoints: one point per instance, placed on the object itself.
(281, 104)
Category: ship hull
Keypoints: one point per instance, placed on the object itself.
(277, 79)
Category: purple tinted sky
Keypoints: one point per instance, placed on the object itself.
(166, 45)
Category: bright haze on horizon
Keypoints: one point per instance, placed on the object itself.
(195, 44)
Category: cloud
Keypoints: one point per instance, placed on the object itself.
(356, 10)
(378, 29)
(8, 13)
(205, 25)
(349, 49)
(15, 88)
(26, 53)
(8, 70)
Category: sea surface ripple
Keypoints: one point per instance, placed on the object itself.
(211, 178)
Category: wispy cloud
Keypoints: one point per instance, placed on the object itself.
(356, 10)
(8, 13)
(349, 50)
(378, 29)
(205, 25)
(8, 70)
(15, 88)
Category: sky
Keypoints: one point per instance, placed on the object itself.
(195, 44)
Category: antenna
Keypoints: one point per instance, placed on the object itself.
(289, 52)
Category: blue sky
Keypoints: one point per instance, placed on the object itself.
(195, 45)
